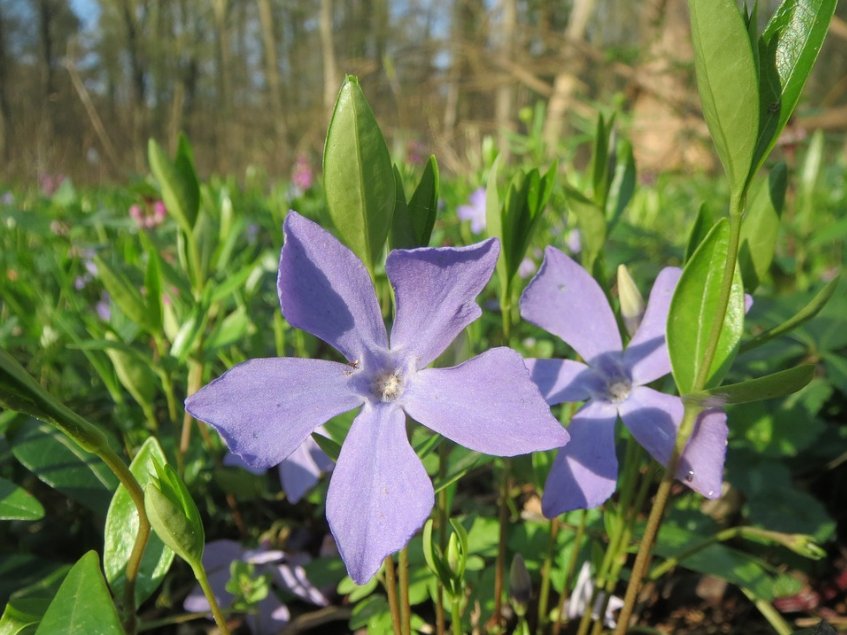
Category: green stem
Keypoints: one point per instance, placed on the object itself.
(405, 608)
(546, 569)
(780, 626)
(390, 584)
(580, 531)
(195, 379)
(642, 560)
(500, 565)
(443, 513)
(456, 616)
(217, 614)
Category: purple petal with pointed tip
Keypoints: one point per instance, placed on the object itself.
(233, 460)
(379, 494)
(325, 290)
(561, 380)
(487, 404)
(653, 419)
(299, 472)
(701, 466)
(265, 408)
(564, 300)
(435, 292)
(647, 353)
(585, 471)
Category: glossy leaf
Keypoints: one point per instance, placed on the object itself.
(358, 175)
(413, 221)
(780, 384)
(63, 465)
(803, 315)
(692, 314)
(623, 185)
(592, 225)
(788, 49)
(402, 233)
(760, 227)
(122, 527)
(728, 84)
(21, 615)
(703, 223)
(18, 504)
(178, 181)
(82, 605)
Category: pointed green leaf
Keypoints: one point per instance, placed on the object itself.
(623, 185)
(358, 175)
(134, 374)
(760, 227)
(788, 49)
(122, 292)
(153, 291)
(803, 315)
(592, 225)
(21, 615)
(122, 527)
(82, 605)
(62, 465)
(178, 181)
(692, 314)
(780, 384)
(423, 206)
(728, 84)
(18, 504)
(706, 219)
(329, 446)
(402, 231)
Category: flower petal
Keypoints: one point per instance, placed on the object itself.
(265, 408)
(701, 466)
(325, 290)
(562, 380)
(292, 576)
(653, 419)
(647, 354)
(435, 291)
(564, 300)
(300, 472)
(487, 404)
(585, 471)
(380, 494)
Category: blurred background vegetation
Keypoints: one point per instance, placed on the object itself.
(85, 83)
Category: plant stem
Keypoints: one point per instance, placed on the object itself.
(456, 616)
(642, 560)
(780, 626)
(580, 531)
(546, 568)
(220, 620)
(390, 584)
(443, 514)
(405, 609)
(195, 378)
(500, 565)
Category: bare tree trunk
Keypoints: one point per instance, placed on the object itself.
(503, 101)
(220, 9)
(272, 69)
(566, 82)
(138, 106)
(328, 55)
(5, 110)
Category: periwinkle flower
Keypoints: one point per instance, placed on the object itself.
(474, 211)
(564, 300)
(298, 473)
(286, 571)
(379, 493)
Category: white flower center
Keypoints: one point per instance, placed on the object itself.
(619, 390)
(387, 386)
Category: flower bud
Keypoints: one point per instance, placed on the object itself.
(174, 515)
(520, 585)
(632, 304)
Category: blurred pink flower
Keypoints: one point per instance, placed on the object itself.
(148, 215)
(302, 175)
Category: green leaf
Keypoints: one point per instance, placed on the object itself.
(423, 206)
(122, 527)
(134, 374)
(592, 225)
(706, 219)
(122, 292)
(803, 315)
(178, 180)
(760, 227)
(329, 446)
(402, 232)
(728, 84)
(82, 605)
(692, 314)
(623, 185)
(601, 169)
(358, 175)
(153, 287)
(788, 49)
(18, 504)
(63, 465)
(21, 615)
(771, 386)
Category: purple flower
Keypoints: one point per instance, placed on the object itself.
(474, 211)
(298, 473)
(565, 300)
(285, 571)
(379, 493)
